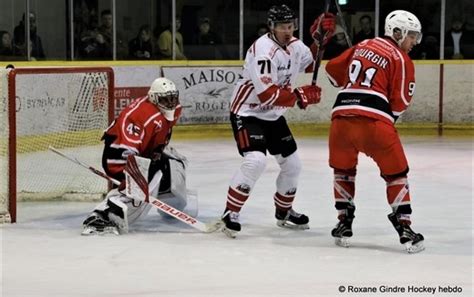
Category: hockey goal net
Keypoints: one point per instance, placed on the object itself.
(67, 108)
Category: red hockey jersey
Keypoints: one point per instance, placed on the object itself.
(377, 80)
(140, 129)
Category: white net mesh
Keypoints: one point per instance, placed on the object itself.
(68, 111)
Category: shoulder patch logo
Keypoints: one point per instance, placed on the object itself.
(159, 124)
(266, 80)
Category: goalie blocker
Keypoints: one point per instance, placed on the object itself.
(144, 179)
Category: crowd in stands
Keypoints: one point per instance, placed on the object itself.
(94, 41)
(15, 48)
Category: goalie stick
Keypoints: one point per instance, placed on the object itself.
(320, 50)
(156, 203)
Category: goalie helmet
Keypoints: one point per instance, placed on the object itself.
(281, 14)
(404, 22)
(163, 93)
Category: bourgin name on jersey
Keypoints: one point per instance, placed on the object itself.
(371, 56)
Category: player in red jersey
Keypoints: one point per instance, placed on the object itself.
(377, 78)
(142, 129)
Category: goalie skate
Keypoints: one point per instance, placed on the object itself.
(96, 225)
(291, 219)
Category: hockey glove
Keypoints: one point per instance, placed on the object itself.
(307, 95)
(323, 28)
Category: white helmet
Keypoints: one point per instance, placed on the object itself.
(404, 21)
(163, 93)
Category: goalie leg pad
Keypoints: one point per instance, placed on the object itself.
(170, 186)
(117, 210)
(136, 173)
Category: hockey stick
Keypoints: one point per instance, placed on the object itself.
(156, 203)
(343, 24)
(320, 50)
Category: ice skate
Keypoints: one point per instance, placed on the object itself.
(231, 223)
(95, 224)
(343, 230)
(291, 219)
(412, 241)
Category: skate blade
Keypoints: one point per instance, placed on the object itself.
(230, 233)
(88, 231)
(214, 226)
(289, 225)
(414, 248)
(342, 241)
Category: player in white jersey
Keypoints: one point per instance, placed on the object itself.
(265, 92)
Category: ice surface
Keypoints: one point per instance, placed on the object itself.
(44, 255)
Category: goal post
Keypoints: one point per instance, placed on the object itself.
(66, 107)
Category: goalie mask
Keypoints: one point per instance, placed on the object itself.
(163, 93)
(281, 14)
(404, 22)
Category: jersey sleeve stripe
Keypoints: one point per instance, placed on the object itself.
(151, 119)
(273, 97)
(114, 161)
(332, 80)
(241, 96)
(402, 87)
(124, 133)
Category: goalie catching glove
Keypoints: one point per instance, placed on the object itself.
(307, 95)
(323, 28)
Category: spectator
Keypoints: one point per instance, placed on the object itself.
(366, 30)
(106, 28)
(140, 48)
(206, 36)
(428, 49)
(165, 47)
(95, 43)
(19, 33)
(261, 29)
(6, 47)
(337, 44)
(459, 42)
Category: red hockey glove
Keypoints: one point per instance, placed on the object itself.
(323, 27)
(307, 95)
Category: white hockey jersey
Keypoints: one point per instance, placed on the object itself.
(269, 76)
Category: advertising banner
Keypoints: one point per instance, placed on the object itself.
(205, 92)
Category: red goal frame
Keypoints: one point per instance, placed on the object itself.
(12, 179)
